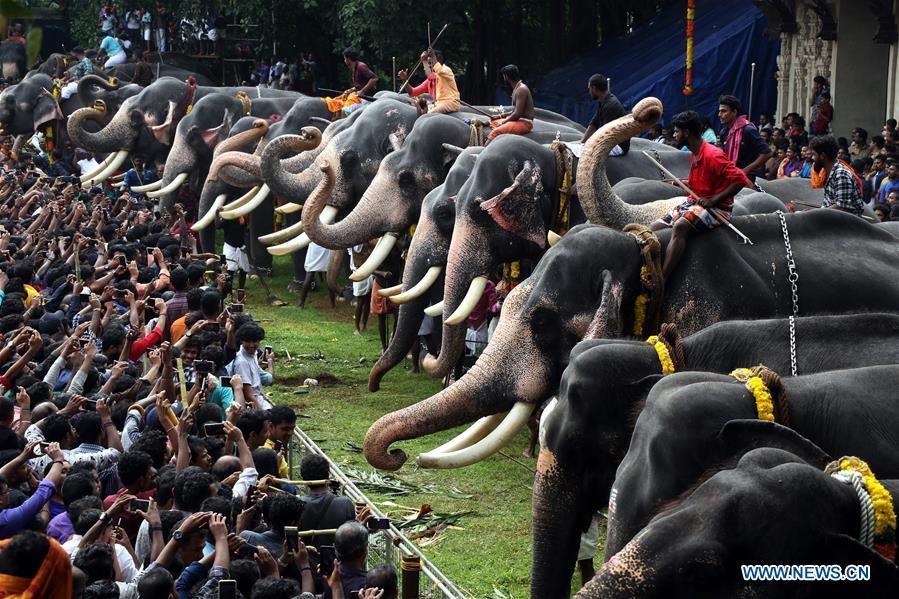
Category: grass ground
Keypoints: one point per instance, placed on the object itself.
(491, 557)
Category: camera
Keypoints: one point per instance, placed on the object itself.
(226, 382)
(203, 367)
(214, 429)
(291, 535)
(235, 308)
(378, 523)
(139, 504)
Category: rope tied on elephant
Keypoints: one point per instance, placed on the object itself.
(648, 305)
(765, 385)
(877, 514)
(245, 101)
(188, 103)
(669, 345)
(565, 168)
(476, 137)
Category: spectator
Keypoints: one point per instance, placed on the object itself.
(711, 137)
(790, 165)
(860, 148)
(139, 175)
(246, 364)
(765, 122)
(779, 139)
(283, 421)
(805, 155)
(820, 87)
(385, 579)
(34, 565)
(891, 182)
(842, 187)
(741, 140)
(323, 510)
(796, 134)
(351, 545)
(821, 123)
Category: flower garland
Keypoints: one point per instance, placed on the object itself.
(664, 354)
(691, 29)
(640, 304)
(764, 404)
(884, 513)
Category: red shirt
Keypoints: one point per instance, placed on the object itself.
(711, 172)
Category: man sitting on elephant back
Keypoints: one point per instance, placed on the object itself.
(83, 66)
(440, 84)
(714, 178)
(521, 121)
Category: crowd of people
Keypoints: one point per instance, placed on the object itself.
(140, 456)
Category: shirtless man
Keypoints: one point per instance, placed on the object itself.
(521, 121)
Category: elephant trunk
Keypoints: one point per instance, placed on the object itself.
(468, 262)
(117, 135)
(626, 574)
(555, 530)
(285, 183)
(181, 161)
(600, 203)
(239, 169)
(363, 223)
(256, 132)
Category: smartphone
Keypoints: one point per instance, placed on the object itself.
(90, 404)
(278, 446)
(291, 535)
(119, 294)
(226, 382)
(268, 350)
(213, 326)
(85, 294)
(227, 589)
(139, 504)
(223, 260)
(122, 261)
(378, 523)
(235, 308)
(150, 251)
(214, 429)
(41, 448)
(247, 551)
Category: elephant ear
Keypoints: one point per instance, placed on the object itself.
(738, 437)
(46, 108)
(517, 209)
(607, 322)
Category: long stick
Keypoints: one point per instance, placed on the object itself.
(713, 211)
(393, 58)
(418, 65)
(751, 90)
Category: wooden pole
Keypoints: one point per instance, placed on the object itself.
(411, 568)
(393, 58)
(418, 64)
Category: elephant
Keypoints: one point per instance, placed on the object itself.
(845, 412)
(12, 60)
(355, 153)
(587, 284)
(145, 123)
(198, 132)
(775, 505)
(392, 202)
(425, 259)
(587, 431)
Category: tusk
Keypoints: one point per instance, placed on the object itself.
(374, 260)
(251, 205)
(294, 245)
(475, 291)
(242, 199)
(513, 422)
(329, 213)
(289, 208)
(435, 310)
(119, 185)
(99, 168)
(148, 187)
(472, 434)
(119, 177)
(419, 288)
(553, 238)
(282, 235)
(177, 182)
(390, 291)
(210, 214)
(112, 167)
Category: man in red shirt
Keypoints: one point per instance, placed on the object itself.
(713, 177)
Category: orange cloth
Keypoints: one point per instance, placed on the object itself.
(52, 581)
(380, 305)
(339, 103)
(519, 127)
(178, 328)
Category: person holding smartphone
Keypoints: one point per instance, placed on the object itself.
(16, 471)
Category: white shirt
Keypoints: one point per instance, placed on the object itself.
(88, 165)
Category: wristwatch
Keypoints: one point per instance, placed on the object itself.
(104, 517)
(187, 334)
(178, 536)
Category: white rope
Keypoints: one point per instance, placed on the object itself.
(854, 478)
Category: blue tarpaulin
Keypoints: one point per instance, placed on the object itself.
(650, 62)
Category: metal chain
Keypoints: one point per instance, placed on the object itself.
(793, 278)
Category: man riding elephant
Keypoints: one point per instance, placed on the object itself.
(440, 84)
(521, 121)
(715, 179)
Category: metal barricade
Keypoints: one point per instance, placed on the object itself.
(386, 547)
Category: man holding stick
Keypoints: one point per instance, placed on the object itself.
(714, 180)
(440, 83)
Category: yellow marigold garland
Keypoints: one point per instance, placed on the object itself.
(884, 513)
(664, 355)
(640, 304)
(763, 402)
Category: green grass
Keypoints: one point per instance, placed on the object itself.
(493, 552)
